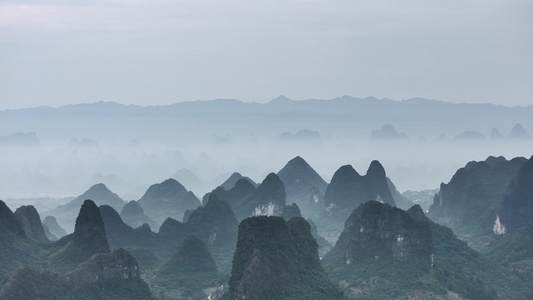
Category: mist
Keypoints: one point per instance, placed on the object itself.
(56, 153)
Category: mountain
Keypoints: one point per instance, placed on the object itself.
(104, 276)
(105, 267)
(50, 224)
(302, 139)
(89, 238)
(78, 266)
(346, 191)
(235, 195)
(343, 122)
(387, 253)
(133, 214)
(423, 198)
(189, 179)
(216, 226)
(276, 259)
(401, 201)
(31, 223)
(20, 140)
(291, 211)
(469, 136)
(519, 132)
(516, 208)
(380, 232)
(478, 187)
(167, 199)
(495, 134)
(303, 186)
(99, 193)
(267, 199)
(232, 181)
(388, 132)
(120, 235)
(15, 247)
(513, 225)
(189, 272)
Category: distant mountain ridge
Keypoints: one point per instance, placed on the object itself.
(371, 111)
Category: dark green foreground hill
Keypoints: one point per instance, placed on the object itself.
(276, 259)
(78, 266)
(387, 253)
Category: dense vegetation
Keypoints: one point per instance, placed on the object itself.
(276, 259)
(383, 252)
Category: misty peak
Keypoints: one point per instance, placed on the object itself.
(417, 213)
(519, 132)
(376, 170)
(280, 100)
(495, 134)
(298, 161)
(9, 221)
(98, 188)
(90, 229)
(346, 171)
(388, 132)
(232, 181)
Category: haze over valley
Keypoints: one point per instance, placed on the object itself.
(302, 150)
(59, 152)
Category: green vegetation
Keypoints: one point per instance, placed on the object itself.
(278, 260)
(190, 270)
(478, 187)
(68, 268)
(446, 265)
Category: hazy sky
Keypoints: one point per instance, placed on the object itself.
(158, 52)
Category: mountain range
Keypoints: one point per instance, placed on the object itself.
(292, 236)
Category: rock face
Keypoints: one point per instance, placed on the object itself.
(105, 267)
(478, 187)
(50, 224)
(15, 247)
(516, 208)
(90, 230)
(31, 223)
(278, 260)
(120, 235)
(376, 231)
(512, 225)
(267, 199)
(235, 195)
(167, 199)
(385, 252)
(89, 238)
(133, 214)
(346, 191)
(303, 186)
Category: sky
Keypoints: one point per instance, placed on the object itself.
(155, 52)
